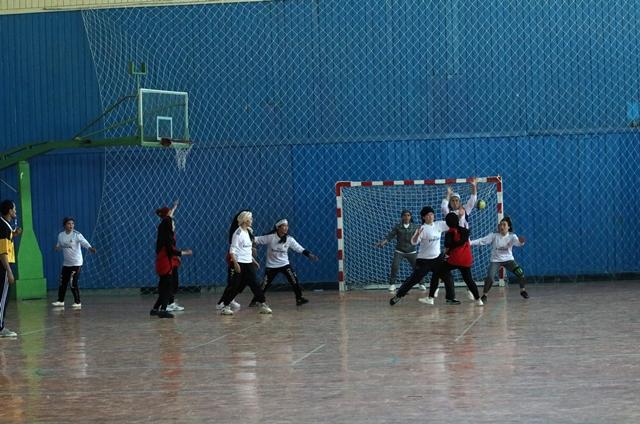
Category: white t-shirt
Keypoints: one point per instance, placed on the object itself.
(71, 245)
(500, 245)
(468, 207)
(429, 239)
(277, 253)
(241, 246)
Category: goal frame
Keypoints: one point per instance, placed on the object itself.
(340, 185)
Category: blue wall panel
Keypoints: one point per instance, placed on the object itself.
(337, 111)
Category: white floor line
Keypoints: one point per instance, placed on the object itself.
(222, 337)
(309, 353)
(468, 328)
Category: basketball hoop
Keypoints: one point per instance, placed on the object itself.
(181, 149)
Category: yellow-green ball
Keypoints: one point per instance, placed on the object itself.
(482, 204)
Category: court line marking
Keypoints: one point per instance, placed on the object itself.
(26, 333)
(468, 328)
(309, 353)
(222, 337)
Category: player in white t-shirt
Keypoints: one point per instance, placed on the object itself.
(71, 242)
(430, 258)
(502, 256)
(279, 242)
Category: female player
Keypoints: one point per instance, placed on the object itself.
(458, 249)
(402, 233)
(502, 256)
(244, 265)
(71, 243)
(167, 262)
(429, 259)
(278, 243)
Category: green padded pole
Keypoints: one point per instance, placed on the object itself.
(30, 281)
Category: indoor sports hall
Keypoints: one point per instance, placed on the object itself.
(345, 211)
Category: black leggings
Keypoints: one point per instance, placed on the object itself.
(437, 268)
(246, 277)
(270, 275)
(174, 286)
(165, 287)
(466, 276)
(69, 274)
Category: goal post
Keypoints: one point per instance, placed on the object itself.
(367, 210)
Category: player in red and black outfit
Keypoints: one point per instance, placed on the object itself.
(458, 249)
(167, 263)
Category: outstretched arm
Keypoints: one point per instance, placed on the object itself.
(444, 206)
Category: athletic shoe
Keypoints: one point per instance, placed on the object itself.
(470, 295)
(394, 300)
(226, 311)
(524, 294)
(77, 306)
(484, 298)
(164, 314)
(478, 302)
(234, 305)
(220, 306)
(453, 302)
(263, 308)
(422, 287)
(426, 300)
(58, 304)
(392, 288)
(153, 312)
(301, 301)
(5, 332)
(174, 307)
(436, 293)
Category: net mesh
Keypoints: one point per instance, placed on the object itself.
(288, 97)
(369, 213)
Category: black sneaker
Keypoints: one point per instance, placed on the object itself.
(164, 314)
(453, 302)
(484, 298)
(153, 312)
(524, 294)
(301, 301)
(394, 300)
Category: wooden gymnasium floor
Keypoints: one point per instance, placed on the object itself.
(570, 354)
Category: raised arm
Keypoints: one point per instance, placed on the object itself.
(444, 206)
(392, 234)
(473, 198)
(488, 239)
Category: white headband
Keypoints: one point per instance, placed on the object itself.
(282, 222)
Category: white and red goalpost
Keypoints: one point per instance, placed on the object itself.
(367, 210)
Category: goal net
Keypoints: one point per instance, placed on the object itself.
(368, 210)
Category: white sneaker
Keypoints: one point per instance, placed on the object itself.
(422, 287)
(220, 306)
(174, 307)
(426, 300)
(77, 306)
(436, 293)
(470, 295)
(392, 288)
(5, 332)
(263, 308)
(235, 305)
(226, 311)
(57, 304)
(478, 302)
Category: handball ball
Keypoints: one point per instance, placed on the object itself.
(482, 204)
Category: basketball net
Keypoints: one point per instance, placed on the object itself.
(182, 152)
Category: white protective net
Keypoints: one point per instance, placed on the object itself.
(288, 97)
(369, 213)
